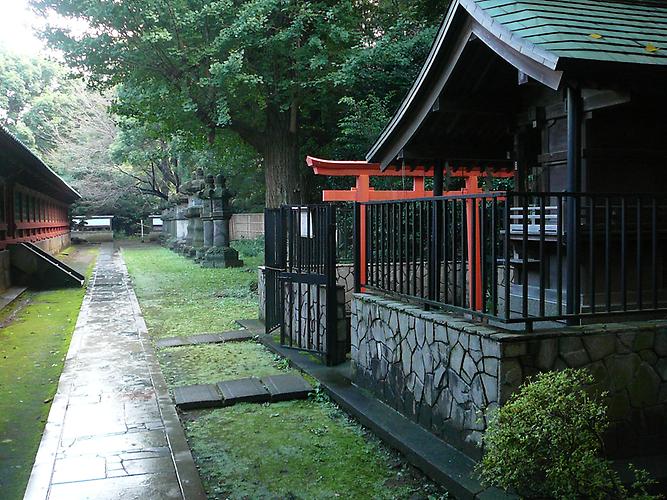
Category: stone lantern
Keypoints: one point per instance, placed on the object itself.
(195, 234)
(221, 254)
(175, 223)
(206, 195)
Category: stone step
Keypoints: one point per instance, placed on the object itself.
(287, 387)
(206, 338)
(247, 390)
(10, 295)
(193, 397)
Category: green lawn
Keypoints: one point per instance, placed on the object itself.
(35, 334)
(298, 449)
(181, 298)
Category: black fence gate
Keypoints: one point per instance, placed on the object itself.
(275, 262)
(302, 296)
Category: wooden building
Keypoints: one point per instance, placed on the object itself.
(34, 203)
(570, 96)
(460, 297)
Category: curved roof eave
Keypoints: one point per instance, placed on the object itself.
(532, 60)
(40, 163)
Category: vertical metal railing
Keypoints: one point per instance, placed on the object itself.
(275, 263)
(520, 257)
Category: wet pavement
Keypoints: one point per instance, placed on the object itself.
(113, 431)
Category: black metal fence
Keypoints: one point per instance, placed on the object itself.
(275, 260)
(303, 246)
(519, 257)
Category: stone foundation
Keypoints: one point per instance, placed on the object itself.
(5, 267)
(93, 236)
(52, 246)
(447, 373)
(56, 244)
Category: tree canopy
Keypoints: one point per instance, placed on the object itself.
(285, 76)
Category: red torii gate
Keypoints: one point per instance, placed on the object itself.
(363, 192)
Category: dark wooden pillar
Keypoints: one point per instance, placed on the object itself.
(438, 179)
(573, 186)
(10, 213)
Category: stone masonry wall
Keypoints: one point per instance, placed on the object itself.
(307, 324)
(447, 373)
(56, 244)
(344, 279)
(261, 291)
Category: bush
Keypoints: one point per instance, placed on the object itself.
(250, 248)
(546, 442)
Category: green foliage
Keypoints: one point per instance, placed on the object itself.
(546, 442)
(70, 128)
(260, 67)
(297, 449)
(204, 364)
(25, 82)
(288, 77)
(250, 248)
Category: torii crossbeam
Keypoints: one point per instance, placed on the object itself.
(363, 192)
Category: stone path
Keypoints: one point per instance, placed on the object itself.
(113, 432)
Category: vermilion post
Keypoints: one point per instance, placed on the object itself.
(362, 192)
(474, 246)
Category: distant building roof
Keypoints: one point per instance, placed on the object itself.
(94, 221)
(19, 162)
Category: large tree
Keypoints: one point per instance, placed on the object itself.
(262, 68)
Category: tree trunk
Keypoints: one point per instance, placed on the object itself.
(287, 177)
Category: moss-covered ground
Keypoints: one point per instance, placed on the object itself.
(35, 333)
(297, 449)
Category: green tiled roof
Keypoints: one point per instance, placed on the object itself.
(616, 31)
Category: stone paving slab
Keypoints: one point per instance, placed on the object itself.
(245, 390)
(171, 342)
(252, 325)
(191, 397)
(287, 387)
(238, 336)
(206, 338)
(112, 431)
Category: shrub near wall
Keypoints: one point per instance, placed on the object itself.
(546, 442)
